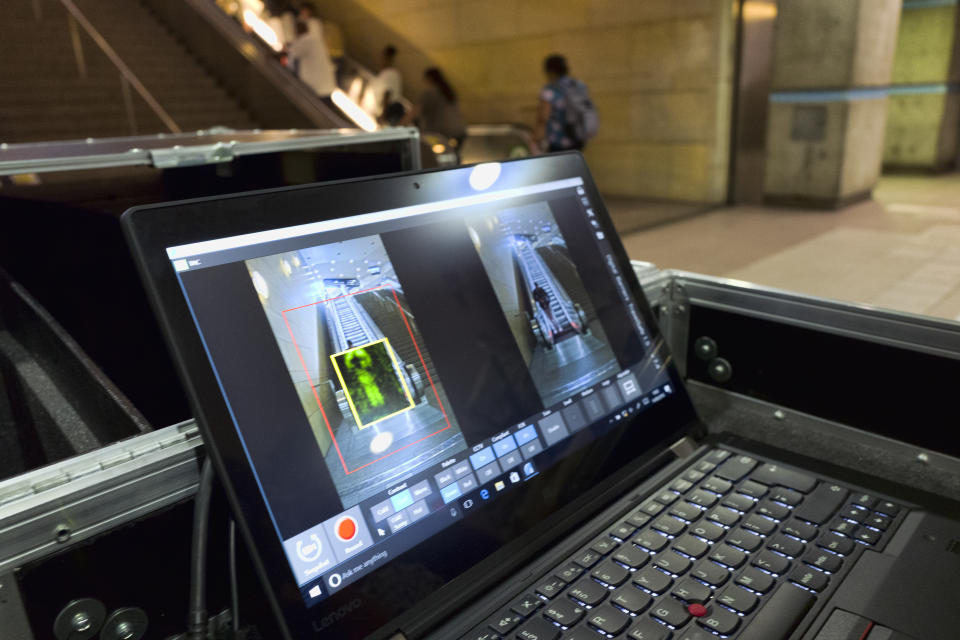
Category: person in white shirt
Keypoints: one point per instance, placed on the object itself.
(308, 53)
(388, 84)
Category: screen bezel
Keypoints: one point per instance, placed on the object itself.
(151, 229)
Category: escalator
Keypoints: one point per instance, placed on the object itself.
(565, 318)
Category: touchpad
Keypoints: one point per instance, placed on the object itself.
(911, 586)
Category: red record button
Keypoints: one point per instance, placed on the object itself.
(346, 528)
(697, 610)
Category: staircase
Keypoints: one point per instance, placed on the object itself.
(43, 96)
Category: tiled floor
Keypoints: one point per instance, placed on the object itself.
(901, 250)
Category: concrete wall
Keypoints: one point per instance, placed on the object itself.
(659, 70)
(921, 130)
(828, 103)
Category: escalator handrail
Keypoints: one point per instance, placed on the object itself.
(566, 305)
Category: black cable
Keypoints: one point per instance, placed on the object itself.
(197, 617)
(234, 598)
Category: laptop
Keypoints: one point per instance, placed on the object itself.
(441, 408)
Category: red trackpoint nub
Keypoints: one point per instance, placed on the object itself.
(697, 610)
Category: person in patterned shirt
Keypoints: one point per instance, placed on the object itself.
(552, 132)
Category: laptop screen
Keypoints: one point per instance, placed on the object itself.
(392, 373)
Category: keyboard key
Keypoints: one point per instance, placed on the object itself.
(717, 456)
(587, 558)
(810, 578)
(611, 573)
(744, 539)
(569, 573)
(736, 467)
(666, 497)
(720, 620)
(503, 622)
(728, 556)
(738, 599)
(526, 605)
(724, 515)
(887, 507)
(608, 619)
(623, 530)
(835, 543)
(869, 536)
(823, 560)
(802, 530)
(633, 557)
(773, 475)
(819, 506)
(652, 579)
(669, 525)
(759, 524)
(786, 545)
(710, 572)
(648, 630)
(652, 508)
(704, 466)
(752, 489)
(773, 510)
(670, 611)
(638, 518)
(482, 634)
(686, 511)
(707, 530)
(781, 614)
(651, 540)
(538, 629)
(716, 485)
(786, 496)
(692, 475)
(738, 501)
(589, 592)
(691, 546)
(694, 633)
(865, 500)
(769, 561)
(565, 611)
(680, 485)
(701, 497)
(550, 587)
(672, 562)
(580, 633)
(756, 580)
(878, 521)
(857, 514)
(845, 527)
(691, 591)
(604, 545)
(632, 599)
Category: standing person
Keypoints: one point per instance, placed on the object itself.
(438, 109)
(566, 117)
(308, 54)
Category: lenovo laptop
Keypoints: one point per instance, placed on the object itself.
(441, 408)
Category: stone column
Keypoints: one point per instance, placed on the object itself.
(924, 102)
(828, 102)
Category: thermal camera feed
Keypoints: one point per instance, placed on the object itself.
(356, 358)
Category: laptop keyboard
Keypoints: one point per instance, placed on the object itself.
(731, 547)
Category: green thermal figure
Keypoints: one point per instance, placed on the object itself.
(360, 361)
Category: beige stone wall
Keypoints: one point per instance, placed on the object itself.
(660, 72)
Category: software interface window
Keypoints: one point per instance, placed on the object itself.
(361, 368)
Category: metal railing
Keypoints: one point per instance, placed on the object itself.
(128, 78)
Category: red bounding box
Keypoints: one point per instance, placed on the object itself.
(317, 396)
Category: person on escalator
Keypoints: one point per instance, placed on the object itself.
(542, 298)
(308, 54)
(438, 110)
(388, 84)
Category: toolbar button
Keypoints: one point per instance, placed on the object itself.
(553, 429)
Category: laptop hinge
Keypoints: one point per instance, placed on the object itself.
(684, 447)
(397, 636)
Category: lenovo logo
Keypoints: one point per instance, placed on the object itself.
(337, 615)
